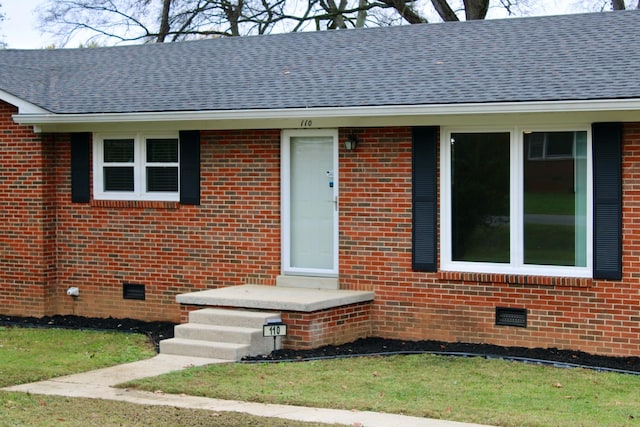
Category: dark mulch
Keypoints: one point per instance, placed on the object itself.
(552, 356)
(157, 331)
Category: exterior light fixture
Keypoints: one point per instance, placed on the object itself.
(351, 143)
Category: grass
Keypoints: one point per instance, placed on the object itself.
(21, 409)
(463, 389)
(28, 355)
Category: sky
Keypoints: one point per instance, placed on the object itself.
(20, 29)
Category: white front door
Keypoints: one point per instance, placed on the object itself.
(310, 202)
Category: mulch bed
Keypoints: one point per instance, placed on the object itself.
(157, 331)
(383, 346)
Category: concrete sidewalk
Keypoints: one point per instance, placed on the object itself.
(99, 384)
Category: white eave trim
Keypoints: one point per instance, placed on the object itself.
(24, 107)
(44, 118)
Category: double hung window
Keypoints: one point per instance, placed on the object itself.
(516, 201)
(136, 167)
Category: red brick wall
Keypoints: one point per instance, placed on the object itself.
(234, 238)
(375, 235)
(334, 326)
(27, 218)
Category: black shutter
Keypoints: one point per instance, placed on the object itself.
(80, 173)
(190, 167)
(607, 200)
(425, 214)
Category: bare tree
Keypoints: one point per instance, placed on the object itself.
(602, 5)
(619, 5)
(164, 21)
(114, 21)
(2, 44)
(406, 9)
(452, 10)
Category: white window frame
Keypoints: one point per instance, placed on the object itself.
(517, 153)
(139, 167)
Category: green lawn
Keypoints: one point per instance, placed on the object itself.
(28, 355)
(464, 389)
(21, 409)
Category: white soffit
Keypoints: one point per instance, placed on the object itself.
(604, 110)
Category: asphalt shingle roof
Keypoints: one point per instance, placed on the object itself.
(572, 57)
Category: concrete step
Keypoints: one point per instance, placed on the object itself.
(234, 334)
(308, 282)
(198, 348)
(239, 318)
(222, 334)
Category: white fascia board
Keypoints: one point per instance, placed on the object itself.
(24, 107)
(334, 112)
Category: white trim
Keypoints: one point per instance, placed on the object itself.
(336, 112)
(516, 265)
(139, 164)
(285, 192)
(24, 107)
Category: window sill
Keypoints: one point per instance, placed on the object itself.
(135, 204)
(514, 279)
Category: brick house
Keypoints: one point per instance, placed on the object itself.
(491, 196)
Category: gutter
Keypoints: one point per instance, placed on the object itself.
(34, 118)
(523, 113)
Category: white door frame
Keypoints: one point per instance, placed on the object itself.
(285, 186)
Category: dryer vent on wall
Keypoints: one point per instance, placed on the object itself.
(511, 317)
(133, 291)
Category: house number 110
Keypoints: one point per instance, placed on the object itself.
(306, 123)
(274, 330)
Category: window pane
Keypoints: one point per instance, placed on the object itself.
(555, 200)
(162, 150)
(559, 144)
(162, 179)
(118, 179)
(118, 150)
(535, 147)
(480, 197)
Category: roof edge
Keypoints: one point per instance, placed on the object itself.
(24, 107)
(42, 117)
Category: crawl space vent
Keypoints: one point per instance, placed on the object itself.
(511, 317)
(133, 291)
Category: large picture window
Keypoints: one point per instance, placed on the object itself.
(136, 167)
(515, 201)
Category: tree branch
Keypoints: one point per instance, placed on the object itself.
(406, 11)
(619, 4)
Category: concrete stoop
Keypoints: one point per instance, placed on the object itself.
(222, 334)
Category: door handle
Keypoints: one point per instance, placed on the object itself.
(335, 203)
